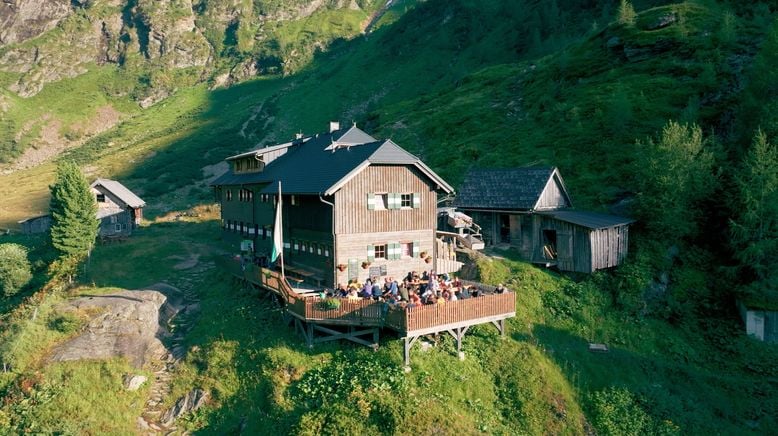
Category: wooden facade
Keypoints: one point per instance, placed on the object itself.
(353, 211)
(540, 224)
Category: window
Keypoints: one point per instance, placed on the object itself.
(113, 219)
(101, 198)
(326, 251)
(124, 226)
(318, 250)
(293, 200)
(406, 200)
(245, 195)
(312, 248)
(380, 251)
(238, 165)
(118, 227)
(264, 198)
(406, 249)
(296, 246)
(228, 194)
(381, 201)
(303, 247)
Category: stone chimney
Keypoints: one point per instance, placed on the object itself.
(334, 125)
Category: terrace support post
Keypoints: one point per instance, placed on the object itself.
(407, 345)
(375, 339)
(500, 324)
(309, 335)
(459, 333)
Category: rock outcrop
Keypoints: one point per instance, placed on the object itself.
(125, 324)
(21, 20)
(190, 402)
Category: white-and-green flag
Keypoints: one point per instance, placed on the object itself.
(278, 238)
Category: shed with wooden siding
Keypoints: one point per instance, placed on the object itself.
(530, 210)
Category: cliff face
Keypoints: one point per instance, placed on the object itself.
(42, 41)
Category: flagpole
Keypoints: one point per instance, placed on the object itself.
(280, 230)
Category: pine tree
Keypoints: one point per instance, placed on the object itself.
(755, 227)
(674, 176)
(74, 224)
(626, 13)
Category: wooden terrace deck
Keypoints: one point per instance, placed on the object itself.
(353, 320)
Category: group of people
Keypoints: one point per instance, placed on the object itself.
(413, 290)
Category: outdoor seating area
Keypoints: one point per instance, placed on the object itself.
(418, 305)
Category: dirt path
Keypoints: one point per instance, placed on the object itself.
(187, 309)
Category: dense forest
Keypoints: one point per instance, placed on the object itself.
(663, 111)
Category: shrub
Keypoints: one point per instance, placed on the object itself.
(65, 323)
(331, 304)
(15, 269)
(619, 412)
(626, 13)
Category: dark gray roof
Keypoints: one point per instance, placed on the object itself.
(315, 166)
(121, 192)
(503, 189)
(592, 220)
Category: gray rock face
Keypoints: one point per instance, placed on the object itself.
(21, 20)
(192, 401)
(126, 325)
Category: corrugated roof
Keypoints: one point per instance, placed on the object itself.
(503, 189)
(268, 149)
(121, 192)
(315, 166)
(592, 220)
(352, 136)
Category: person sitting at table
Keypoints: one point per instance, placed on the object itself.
(462, 293)
(413, 300)
(425, 276)
(342, 291)
(353, 283)
(500, 289)
(440, 301)
(403, 291)
(352, 294)
(376, 291)
(366, 292)
(409, 277)
(475, 292)
(426, 294)
(456, 282)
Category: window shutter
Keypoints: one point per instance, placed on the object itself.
(390, 250)
(416, 249)
(393, 203)
(370, 253)
(370, 201)
(416, 200)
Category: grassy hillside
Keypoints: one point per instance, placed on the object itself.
(462, 84)
(657, 378)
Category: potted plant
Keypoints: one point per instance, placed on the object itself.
(331, 304)
(423, 254)
(365, 264)
(341, 267)
(428, 259)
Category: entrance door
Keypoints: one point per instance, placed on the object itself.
(505, 228)
(549, 244)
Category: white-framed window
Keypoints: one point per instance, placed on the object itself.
(380, 251)
(381, 201)
(118, 227)
(264, 198)
(113, 219)
(101, 198)
(406, 200)
(293, 200)
(318, 250)
(406, 249)
(228, 194)
(326, 251)
(238, 165)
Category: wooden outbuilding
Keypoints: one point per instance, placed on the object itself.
(36, 224)
(353, 206)
(119, 210)
(530, 210)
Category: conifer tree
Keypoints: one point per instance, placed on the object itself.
(626, 13)
(74, 224)
(755, 226)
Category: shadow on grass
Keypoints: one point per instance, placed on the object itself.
(697, 399)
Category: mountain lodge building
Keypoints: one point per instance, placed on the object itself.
(353, 206)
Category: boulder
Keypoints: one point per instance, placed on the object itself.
(124, 324)
(133, 382)
(190, 402)
(662, 21)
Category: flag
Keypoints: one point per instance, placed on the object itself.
(278, 244)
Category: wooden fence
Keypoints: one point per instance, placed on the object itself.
(452, 313)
